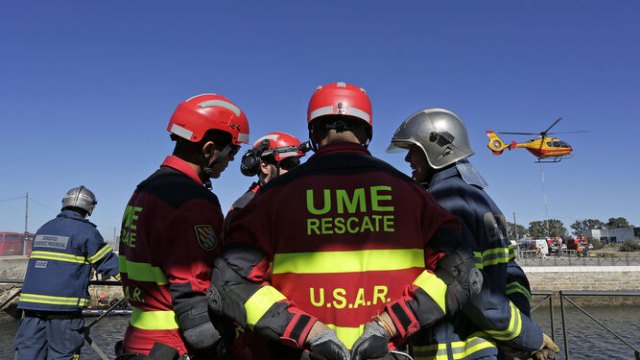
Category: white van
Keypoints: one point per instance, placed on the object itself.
(542, 244)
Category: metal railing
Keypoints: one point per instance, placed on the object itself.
(564, 297)
(548, 297)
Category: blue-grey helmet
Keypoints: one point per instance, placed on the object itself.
(438, 132)
(80, 197)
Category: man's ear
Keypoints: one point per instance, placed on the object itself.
(208, 149)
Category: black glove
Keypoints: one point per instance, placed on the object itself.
(373, 343)
(201, 337)
(325, 345)
(194, 321)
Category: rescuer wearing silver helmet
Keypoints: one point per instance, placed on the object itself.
(65, 251)
(442, 137)
(438, 148)
(80, 198)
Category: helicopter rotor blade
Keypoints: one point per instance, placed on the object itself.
(568, 132)
(552, 125)
(516, 133)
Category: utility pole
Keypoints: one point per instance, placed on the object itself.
(26, 222)
(515, 226)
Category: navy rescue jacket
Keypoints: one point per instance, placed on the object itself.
(500, 313)
(65, 250)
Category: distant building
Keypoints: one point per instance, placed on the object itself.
(607, 236)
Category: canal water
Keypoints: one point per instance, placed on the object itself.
(587, 340)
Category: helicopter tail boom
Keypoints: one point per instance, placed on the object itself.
(496, 145)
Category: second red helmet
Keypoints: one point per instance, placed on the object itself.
(340, 98)
(279, 140)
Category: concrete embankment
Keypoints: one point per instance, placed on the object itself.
(588, 278)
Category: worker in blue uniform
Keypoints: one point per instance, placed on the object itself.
(55, 288)
(495, 324)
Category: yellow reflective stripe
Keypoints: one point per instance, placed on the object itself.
(51, 255)
(139, 271)
(117, 277)
(514, 329)
(260, 302)
(512, 253)
(460, 349)
(515, 287)
(477, 258)
(348, 335)
(54, 300)
(493, 257)
(153, 320)
(434, 287)
(329, 262)
(100, 254)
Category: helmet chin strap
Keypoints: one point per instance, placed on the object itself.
(207, 169)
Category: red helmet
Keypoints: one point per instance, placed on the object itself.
(278, 140)
(196, 115)
(340, 99)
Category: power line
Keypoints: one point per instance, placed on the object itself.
(11, 199)
(44, 206)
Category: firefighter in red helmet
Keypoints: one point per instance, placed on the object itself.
(272, 155)
(171, 230)
(345, 252)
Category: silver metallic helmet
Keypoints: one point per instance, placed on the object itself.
(80, 197)
(438, 132)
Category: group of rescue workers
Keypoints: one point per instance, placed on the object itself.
(344, 257)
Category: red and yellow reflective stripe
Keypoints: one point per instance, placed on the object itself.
(434, 287)
(153, 320)
(331, 262)
(260, 302)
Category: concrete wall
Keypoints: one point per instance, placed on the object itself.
(13, 267)
(588, 278)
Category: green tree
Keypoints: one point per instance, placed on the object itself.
(515, 231)
(537, 229)
(586, 224)
(618, 222)
(551, 227)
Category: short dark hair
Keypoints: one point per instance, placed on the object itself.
(321, 126)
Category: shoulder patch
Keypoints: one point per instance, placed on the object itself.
(206, 237)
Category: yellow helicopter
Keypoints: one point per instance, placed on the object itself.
(543, 147)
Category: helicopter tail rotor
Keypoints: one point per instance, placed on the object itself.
(496, 145)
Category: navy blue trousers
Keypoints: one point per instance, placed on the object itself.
(41, 338)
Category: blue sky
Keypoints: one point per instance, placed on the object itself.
(87, 89)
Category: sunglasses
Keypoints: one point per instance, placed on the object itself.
(289, 163)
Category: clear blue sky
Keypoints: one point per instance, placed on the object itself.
(87, 89)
